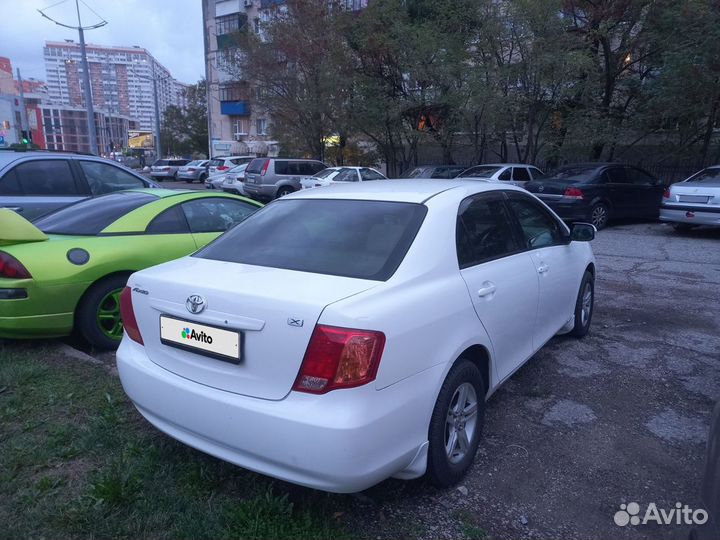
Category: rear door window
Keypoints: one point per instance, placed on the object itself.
(616, 175)
(9, 184)
(282, 167)
(47, 177)
(358, 239)
(506, 174)
(369, 174)
(105, 178)
(307, 168)
(521, 174)
(485, 230)
(536, 173)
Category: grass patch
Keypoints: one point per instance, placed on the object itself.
(79, 461)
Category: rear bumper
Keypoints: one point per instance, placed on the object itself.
(35, 326)
(344, 441)
(260, 191)
(164, 174)
(568, 209)
(695, 215)
(189, 175)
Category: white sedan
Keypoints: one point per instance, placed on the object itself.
(353, 334)
(693, 202)
(332, 175)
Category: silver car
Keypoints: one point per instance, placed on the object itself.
(271, 178)
(166, 169)
(693, 202)
(196, 170)
(234, 181)
(33, 183)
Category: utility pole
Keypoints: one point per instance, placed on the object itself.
(24, 123)
(90, 111)
(158, 142)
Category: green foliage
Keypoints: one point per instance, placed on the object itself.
(185, 130)
(552, 80)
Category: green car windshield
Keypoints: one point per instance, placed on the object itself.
(90, 216)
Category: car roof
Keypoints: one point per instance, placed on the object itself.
(501, 165)
(416, 190)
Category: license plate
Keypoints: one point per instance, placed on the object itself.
(693, 198)
(200, 338)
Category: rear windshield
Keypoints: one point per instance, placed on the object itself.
(194, 163)
(707, 175)
(239, 168)
(255, 166)
(161, 162)
(414, 173)
(357, 239)
(572, 173)
(479, 172)
(216, 162)
(90, 216)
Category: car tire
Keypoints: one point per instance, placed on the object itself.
(285, 190)
(599, 215)
(448, 457)
(584, 306)
(203, 177)
(98, 314)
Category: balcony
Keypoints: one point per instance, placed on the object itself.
(235, 108)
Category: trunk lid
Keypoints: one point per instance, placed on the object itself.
(275, 310)
(549, 187)
(695, 193)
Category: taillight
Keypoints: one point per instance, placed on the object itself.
(339, 358)
(265, 167)
(128, 316)
(11, 268)
(573, 193)
(666, 193)
(222, 168)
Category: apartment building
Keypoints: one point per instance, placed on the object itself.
(121, 80)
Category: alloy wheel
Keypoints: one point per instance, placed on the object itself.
(599, 216)
(587, 303)
(461, 422)
(108, 315)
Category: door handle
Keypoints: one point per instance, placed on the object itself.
(487, 289)
(543, 268)
(14, 208)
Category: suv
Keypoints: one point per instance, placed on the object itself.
(271, 178)
(35, 183)
(167, 169)
(434, 171)
(220, 165)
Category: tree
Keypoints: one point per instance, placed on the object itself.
(184, 130)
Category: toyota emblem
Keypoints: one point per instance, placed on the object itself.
(195, 303)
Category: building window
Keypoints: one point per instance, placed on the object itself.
(241, 126)
(261, 126)
(233, 92)
(227, 24)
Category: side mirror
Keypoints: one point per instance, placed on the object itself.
(582, 232)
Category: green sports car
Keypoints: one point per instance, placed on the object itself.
(65, 271)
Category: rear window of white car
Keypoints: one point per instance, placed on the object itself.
(357, 239)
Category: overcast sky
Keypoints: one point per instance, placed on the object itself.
(171, 30)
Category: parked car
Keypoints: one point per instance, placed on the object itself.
(352, 334)
(434, 171)
(194, 170)
(224, 164)
(515, 173)
(66, 270)
(167, 169)
(234, 181)
(599, 192)
(692, 202)
(271, 178)
(35, 183)
(332, 175)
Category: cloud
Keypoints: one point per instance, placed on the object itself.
(171, 30)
